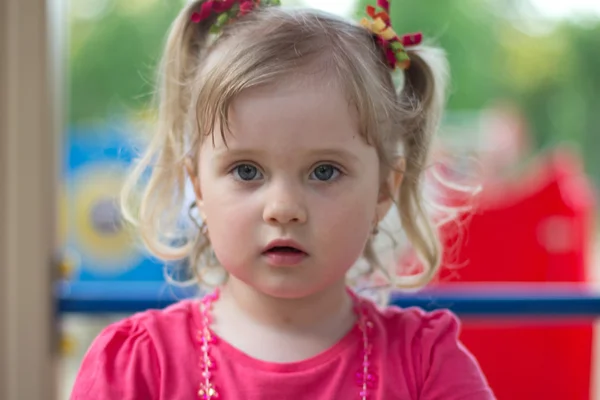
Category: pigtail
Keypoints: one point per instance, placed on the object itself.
(424, 92)
(157, 212)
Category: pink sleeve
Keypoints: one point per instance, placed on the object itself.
(450, 372)
(120, 364)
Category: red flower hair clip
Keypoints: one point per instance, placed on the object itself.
(228, 10)
(393, 46)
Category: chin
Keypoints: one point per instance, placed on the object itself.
(291, 290)
(288, 285)
(287, 293)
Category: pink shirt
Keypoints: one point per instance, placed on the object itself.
(155, 355)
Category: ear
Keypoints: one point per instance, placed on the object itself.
(193, 175)
(389, 189)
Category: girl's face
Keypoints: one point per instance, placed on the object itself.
(293, 196)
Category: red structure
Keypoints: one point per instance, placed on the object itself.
(538, 229)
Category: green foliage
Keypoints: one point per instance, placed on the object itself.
(553, 77)
(112, 60)
(559, 89)
(466, 29)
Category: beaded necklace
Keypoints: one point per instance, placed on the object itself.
(365, 377)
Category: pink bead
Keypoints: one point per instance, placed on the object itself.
(365, 378)
(208, 365)
(208, 392)
(369, 329)
(367, 350)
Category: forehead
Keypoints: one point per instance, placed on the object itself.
(303, 112)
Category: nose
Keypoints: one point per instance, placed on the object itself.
(284, 205)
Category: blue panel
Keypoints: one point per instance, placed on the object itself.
(95, 164)
(477, 301)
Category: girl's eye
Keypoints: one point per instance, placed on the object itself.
(246, 172)
(325, 172)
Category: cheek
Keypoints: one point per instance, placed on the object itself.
(231, 231)
(225, 210)
(230, 219)
(346, 223)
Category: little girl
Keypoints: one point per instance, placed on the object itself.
(288, 126)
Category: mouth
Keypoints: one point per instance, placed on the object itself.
(284, 246)
(284, 249)
(284, 253)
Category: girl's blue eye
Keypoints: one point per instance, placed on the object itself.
(325, 172)
(246, 172)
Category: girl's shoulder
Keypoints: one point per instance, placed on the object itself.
(418, 333)
(182, 315)
(126, 359)
(154, 326)
(415, 333)
(414, 322)
(426, 346)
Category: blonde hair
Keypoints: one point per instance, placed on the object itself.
(198, 84)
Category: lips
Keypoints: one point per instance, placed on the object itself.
(284, 253)
(284, 246)
(283, 249)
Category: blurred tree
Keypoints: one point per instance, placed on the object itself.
(467, 31)
(555, 81)
(550, 70)
(114, 49)
(113, 57)
(584, 95)
(552, 76)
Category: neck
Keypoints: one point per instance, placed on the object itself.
(329, 306)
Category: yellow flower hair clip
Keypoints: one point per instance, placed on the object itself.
(393, 46)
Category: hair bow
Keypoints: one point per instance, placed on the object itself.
(228, 10)
(393, 45)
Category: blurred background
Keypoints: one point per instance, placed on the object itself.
(524, 111)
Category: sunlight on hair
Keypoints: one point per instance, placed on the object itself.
(338, 7)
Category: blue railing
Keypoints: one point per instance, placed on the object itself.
(497, 301)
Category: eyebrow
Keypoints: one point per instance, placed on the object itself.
(228, 152)
(327, 152)
(337, 153)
